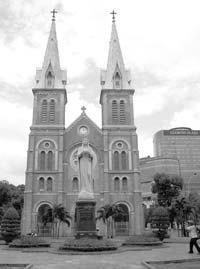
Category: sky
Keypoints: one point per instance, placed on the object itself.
(160, 42)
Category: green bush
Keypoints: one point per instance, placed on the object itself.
(160, 222)
(28, 241)
(88, 244)
(10, 225)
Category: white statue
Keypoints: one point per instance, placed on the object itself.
(85, 163)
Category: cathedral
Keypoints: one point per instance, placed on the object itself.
(52, 176)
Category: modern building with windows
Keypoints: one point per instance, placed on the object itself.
(182, 144)
(52, 175)
(149, 166)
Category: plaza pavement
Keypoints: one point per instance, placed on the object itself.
(174, 249)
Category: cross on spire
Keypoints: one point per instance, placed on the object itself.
(53, 14)
(113, 13)
(83, 109)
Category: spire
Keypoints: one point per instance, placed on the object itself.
(51, 75)
(115, 71)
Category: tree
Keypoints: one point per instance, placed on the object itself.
(147, 214)
(167, 188)
(160, 221)
(1, 214)
(56, 216)
(11, 195)
(10, 225)
(17, 194)
(108, 213)
(184, 211)
(194, 200)
(5, 193)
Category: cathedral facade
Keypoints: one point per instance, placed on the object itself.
(52, 176)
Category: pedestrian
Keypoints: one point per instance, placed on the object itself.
(191, 228)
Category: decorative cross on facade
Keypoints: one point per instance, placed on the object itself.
(53, 12)
(113, 13)
(83, 109)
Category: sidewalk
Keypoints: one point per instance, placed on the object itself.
(130, 259)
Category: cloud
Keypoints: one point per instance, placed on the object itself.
(150, 100)
(88, 82)
(145, 145)
(21, 95)
(73, 109)
(15, 121)
(13, 160)
(187, 117)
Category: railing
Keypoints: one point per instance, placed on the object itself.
(122, 228)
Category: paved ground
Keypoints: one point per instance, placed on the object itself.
(186, 265)
(128, 259)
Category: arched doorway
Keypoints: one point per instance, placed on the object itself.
(122, 221)
(43, 230)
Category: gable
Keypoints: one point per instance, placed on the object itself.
(82, 127)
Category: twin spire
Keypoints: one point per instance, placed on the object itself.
(115, 76)
(51, 75)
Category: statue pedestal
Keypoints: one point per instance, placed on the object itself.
(85, 217)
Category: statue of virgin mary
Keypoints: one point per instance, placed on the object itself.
(85, 164)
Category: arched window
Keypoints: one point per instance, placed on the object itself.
(49, 77)
(117, 80)
(124, 184)
(44, 111)
(116, 160)
(75, 184)
(50, 80)
(50, 160)
(123, 160)
(52, 111)
(42, 160)
(119, 155)
(41, 183)
(116, 184)
(114, 111)
(122, 116)
(47, 156)
(49, 184)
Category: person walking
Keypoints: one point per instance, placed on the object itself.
(191, 228)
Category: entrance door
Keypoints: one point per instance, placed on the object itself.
(122, 222)
(43, 230)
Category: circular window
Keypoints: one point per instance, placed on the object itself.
(119, 145)
(46, 144)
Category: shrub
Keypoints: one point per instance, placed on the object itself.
(28, 241)
(88, 244)
(10, 225)
(160, 221)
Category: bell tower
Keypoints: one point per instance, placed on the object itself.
(44, 173)
(121, 166)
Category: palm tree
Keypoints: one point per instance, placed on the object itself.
(108, 213)
(56, 215)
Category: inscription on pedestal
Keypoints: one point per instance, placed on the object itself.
(86, 223)
(85, 214)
